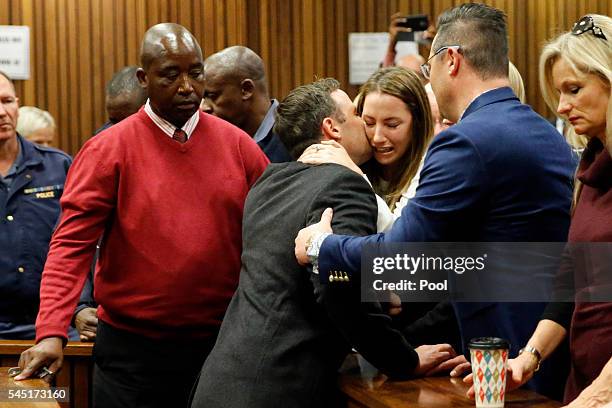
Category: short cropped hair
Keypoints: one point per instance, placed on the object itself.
(125, 81)
(4, 74)
(32, 119)
(481, 32)
(300, 115)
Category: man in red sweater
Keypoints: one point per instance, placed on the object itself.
(166, 189)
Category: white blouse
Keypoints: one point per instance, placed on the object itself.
(386, 218)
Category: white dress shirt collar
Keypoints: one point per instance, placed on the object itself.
(167, 127)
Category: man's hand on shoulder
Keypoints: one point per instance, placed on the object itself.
(47, 353)
(306, 235)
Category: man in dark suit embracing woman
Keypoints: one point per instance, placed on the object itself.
(285, 334)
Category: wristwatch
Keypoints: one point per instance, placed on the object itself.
(313, 245)
(534, 351)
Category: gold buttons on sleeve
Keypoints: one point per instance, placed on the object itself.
(10, 217)
(21, 269)
(338, 276)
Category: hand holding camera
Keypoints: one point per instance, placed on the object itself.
(402, 28)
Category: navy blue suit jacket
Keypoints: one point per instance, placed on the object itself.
(274, 149)
(502, 174)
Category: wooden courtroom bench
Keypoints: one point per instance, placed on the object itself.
(76, 373)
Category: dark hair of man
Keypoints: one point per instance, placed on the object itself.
(125, 81)
(300, 115)
(481, 32)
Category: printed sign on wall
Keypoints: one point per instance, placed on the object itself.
(15, 51)
(367, 50)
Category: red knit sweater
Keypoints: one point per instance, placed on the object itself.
(171, 215)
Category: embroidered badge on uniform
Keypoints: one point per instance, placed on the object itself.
(44, 191)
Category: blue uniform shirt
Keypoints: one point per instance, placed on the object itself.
(29, 210)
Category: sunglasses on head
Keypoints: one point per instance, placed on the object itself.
(585, 24)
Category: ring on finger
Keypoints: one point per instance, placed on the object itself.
(45, 372)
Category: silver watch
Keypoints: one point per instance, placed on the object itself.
(313, 246)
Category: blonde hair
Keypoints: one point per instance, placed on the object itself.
(405, 85)
(32, 119)
(516, 82)
(586, 54)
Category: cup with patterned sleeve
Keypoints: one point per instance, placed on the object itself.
(489, 356)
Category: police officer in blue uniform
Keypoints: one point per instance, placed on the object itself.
(31, 183)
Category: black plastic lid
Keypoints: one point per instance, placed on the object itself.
(488, 343)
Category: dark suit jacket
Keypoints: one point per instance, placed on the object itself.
(270, 143)
(502, 174)
(285, 335)
(274, 149)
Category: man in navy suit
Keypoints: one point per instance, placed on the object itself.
(501, 174)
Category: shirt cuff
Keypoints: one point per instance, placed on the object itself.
(314, 248)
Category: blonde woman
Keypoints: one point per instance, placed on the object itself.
(399, 126)
(516, 82)
(36, 125)
(575, 77)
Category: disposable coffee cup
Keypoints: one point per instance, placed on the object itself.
(489, 357)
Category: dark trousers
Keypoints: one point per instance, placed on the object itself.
(138, 372)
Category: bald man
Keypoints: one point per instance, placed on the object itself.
(413, 62)
(167, 195)
(124, 96)
(235, 90)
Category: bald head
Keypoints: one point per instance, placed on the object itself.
(237, 63)
(124, 94)
(9, 80)
(166, 38)
(9, 111)
(235, 87)
(172, 72)
(413, 62)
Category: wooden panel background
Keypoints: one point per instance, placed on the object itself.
(78, 44)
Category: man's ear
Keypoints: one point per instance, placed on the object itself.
(247, 87)
(455, 59)
(142, 77)
(329, 129)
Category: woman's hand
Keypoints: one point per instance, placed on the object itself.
(329, 151)
(520, 370)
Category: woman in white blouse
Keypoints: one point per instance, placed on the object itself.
(399, 126)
